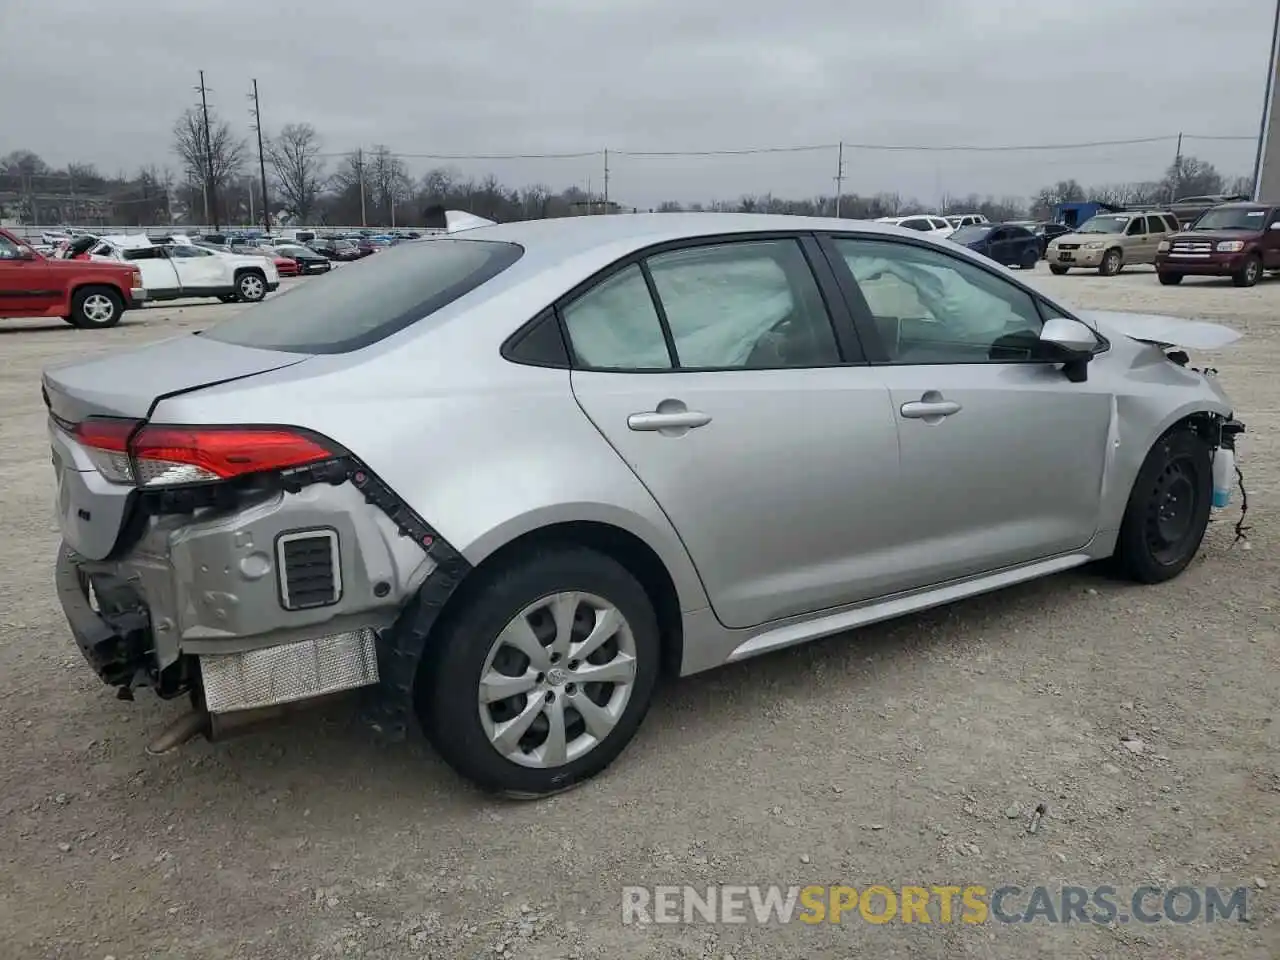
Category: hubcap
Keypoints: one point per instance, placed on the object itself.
(1251, 270)
(1172, 512)
(557, 680)
(251, 287)
(99, 308)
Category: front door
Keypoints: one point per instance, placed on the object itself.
(716, 373)
(998, 246)
(1002, 457)
(26, 285)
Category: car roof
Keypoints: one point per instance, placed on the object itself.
(567, 236)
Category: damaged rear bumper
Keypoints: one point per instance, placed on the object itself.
(203, 605)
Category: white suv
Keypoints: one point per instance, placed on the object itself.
(174, 271)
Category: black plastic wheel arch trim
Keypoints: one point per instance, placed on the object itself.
(388, 704)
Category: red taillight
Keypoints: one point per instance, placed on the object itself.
(168, 455)
(158, 455)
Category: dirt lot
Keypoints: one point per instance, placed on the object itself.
(907, 754)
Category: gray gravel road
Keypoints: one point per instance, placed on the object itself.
(895, 756)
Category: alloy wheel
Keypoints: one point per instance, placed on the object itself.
(99, 308)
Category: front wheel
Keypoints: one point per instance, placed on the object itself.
(543, 678)
(96, 308)
(1057, 269)
(1249, 274)
(251, 287)
(1112, 261)
(1168, 510)
(1030, 258)
(1170, 279)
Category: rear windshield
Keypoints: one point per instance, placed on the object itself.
(970, 234)
(366, 301)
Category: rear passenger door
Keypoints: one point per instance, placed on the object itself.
(1271, 240)
(727, 375)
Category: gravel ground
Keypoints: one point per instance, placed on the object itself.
(908, 754)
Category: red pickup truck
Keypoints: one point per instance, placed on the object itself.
(86, 294)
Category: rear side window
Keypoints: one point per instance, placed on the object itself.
(368, 301)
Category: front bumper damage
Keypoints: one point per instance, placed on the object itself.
(193, 602)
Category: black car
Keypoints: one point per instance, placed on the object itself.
(308, 260)
(1006, 243)
(341, 250)
(1048, 232)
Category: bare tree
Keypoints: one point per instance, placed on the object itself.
(215, 163)
(295, 160)
(387, 180)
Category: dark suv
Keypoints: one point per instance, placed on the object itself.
(1236, 240)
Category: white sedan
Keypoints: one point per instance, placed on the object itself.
(172, 271)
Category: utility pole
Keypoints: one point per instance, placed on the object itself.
(606, 179)
(211, 194)
(262, 163)
(1177, 171)
(839, 177)
(1268, 101)
(360, 170)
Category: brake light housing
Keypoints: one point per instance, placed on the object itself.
(151, 456)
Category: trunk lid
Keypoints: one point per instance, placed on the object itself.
(90, 509)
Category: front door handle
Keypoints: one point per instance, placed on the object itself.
(929, 409)
(674, 420)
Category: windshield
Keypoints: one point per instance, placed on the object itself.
(1232, 218)
(288, 250)
(369, 300)
(970, 234)
(1108, 224)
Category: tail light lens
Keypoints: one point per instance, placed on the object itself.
(126, 451)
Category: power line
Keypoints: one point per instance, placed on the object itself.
(817, 147)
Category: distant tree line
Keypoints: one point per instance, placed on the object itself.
(215, 180)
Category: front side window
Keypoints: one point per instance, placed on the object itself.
(928, 307)
(8, 249)
(615, 326)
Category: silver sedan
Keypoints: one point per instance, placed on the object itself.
(502, 479)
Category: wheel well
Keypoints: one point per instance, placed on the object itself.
(241, 271)
(109, 287)
(626, 548)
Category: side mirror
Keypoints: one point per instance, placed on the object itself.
(1069, 336)
(26, 253)
(1275, 226)
(1074, 342)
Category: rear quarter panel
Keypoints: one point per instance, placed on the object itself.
(483, 449)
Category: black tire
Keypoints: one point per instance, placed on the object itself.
(448, 686)
(1170, 279)
(251, 286)
(96, 308)
(229, 297)
(1058, 269)
(1112, 262)
(1030, 258)
(1168, 510)
(1249, 274)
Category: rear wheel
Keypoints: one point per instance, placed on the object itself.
(1168, 510)
(1112, 262)
(96, 307)
(1057, 269)
(251, 286)
(543, 677)
(1249, 274)
(1170, 279)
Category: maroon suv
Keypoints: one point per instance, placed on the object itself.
(1236, 240)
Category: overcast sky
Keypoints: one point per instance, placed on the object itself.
(103, 82)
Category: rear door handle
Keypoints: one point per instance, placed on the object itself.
(925, 409)
(675, 420)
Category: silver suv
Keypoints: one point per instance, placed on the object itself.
(1111, 241)
(501, 479)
